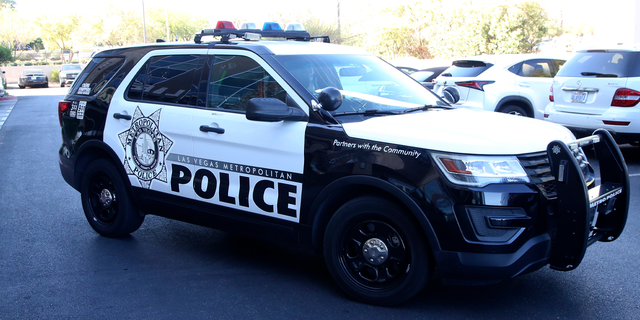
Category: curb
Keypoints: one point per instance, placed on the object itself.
(7, 98)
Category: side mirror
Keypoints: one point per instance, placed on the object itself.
(273, 110)
(330, 98)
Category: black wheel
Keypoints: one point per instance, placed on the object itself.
(375, 252)
(514, 110)
(106, 202)
(62, 84)
(21, 87)
(46, 85)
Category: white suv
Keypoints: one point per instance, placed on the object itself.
(516, 84)
(599, 89)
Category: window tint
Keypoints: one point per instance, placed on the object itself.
(608, 64)
(235, 80)
(536, 68)
(170, 79)
(515, 69)
(557, 64)
(96, 75)
(466, 68)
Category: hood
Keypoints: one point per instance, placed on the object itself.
(462, 131)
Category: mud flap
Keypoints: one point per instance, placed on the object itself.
(586, 216)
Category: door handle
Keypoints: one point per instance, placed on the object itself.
(204, 128)
(524, 85)
(121, 116)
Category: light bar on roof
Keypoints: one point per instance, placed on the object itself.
(271, 26)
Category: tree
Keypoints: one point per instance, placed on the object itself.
(37, 44)
(59, 31)
(516, 29)
(13, 29)
(5, 54)
(10, 4)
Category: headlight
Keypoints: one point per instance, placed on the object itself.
(479, 171)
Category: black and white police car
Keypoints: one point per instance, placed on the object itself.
(330, 148)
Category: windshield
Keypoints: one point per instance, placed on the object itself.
(366, 82)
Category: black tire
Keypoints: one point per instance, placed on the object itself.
(515, 110)
(106, 201)
(21, 87)
(362, 230)
(62, 84)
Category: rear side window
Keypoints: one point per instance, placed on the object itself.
(466, 68)
(169, 79)
(536, 68)
(600, 64)
(96, 75)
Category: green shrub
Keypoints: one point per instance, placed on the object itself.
(55, 75)
(28, 63)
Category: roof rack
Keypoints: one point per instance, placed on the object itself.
(256, 34)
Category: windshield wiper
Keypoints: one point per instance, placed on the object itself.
(599, 75)
(368, 112)
(427, 107)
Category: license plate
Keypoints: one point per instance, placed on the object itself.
(34, 78)
(579, 96)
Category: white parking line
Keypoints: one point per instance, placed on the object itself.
(5, 116)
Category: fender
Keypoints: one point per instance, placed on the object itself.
(521, 101)
(87, 153)
(324, 206)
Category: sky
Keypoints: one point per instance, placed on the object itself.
(597, 13)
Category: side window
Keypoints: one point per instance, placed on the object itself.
(557, 64)
(96, 75)
(169, 79)
(537, 68)
(235, 80)
(515, 69)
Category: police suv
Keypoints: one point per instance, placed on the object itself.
(330, 148)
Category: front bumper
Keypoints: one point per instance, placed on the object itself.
(577, 217)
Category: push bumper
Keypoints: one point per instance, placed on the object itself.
(586, 216)
(583, 216)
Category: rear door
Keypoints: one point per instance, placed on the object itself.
(533, 81)
(587, 83)
(149, 124)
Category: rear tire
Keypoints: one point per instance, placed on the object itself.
(375, 252)
(62, 84)
(106, 201)
(515, 110)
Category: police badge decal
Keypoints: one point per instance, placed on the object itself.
(145, 148)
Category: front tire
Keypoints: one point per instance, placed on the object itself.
(106, 201)
(375, 252)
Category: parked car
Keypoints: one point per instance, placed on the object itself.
(407, 70)
(33, 78)
(598, 89)
(514, 84)
(68, 73)
(426, 76)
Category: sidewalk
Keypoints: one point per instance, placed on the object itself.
(6, 105)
